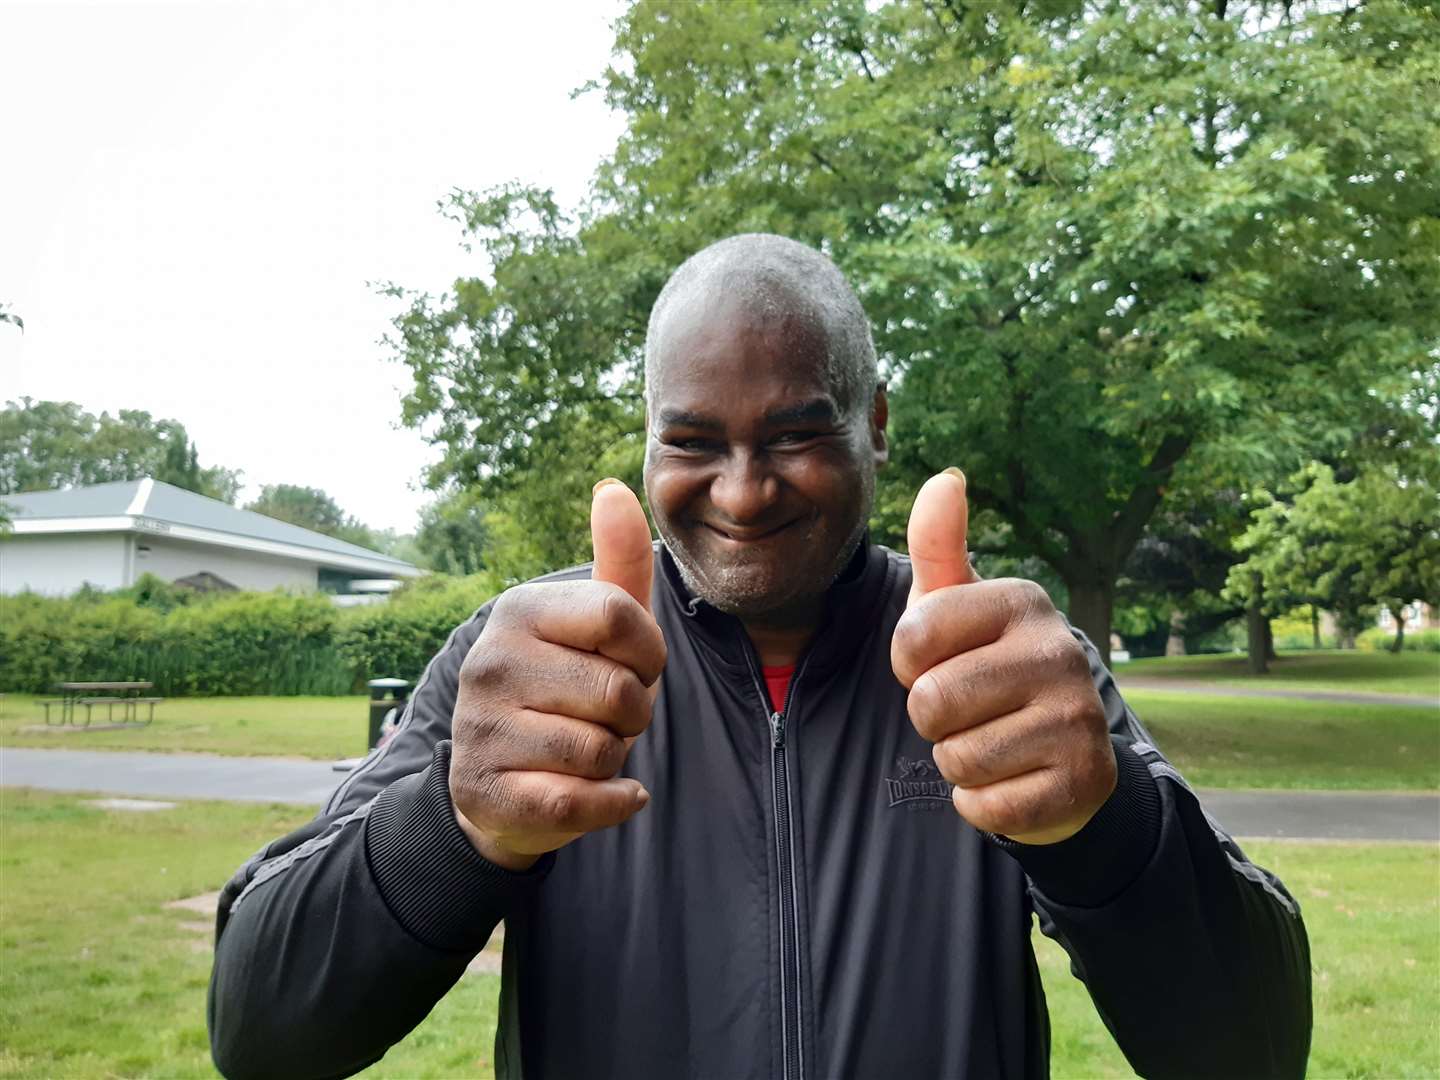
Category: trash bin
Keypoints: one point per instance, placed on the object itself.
(385, 694)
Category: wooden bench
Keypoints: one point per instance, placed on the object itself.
(108, 702)
(132, 707)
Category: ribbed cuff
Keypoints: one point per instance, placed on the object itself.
(1099, 862)
(434, 882)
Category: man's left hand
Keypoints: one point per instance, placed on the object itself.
(999, 684)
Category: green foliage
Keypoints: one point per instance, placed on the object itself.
(56, 444)
(230, 643)
(311, 508)
(1375, 639)
(452, 536)
(1345, 546)
(396, 639)
(1112, 252)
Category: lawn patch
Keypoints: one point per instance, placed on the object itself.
(1323, 669)
(1280, 743)
(105, 950)
(324, 728)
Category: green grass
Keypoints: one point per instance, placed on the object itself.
(310, 727)
(1414, 673)
(1373, 916)
(98, 978)
(1283, 743)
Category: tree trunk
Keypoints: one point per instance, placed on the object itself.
(1175, 643)
(1255, 626)
(1092, 604)
(1399, 642)
(1269, 641)
(1315, 626)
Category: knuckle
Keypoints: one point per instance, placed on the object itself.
(559, 806)
(927, 707)
(907, 643)
(599, 754)
(960, 760)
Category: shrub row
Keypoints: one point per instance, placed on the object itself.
(230, 643)
(1375, 639)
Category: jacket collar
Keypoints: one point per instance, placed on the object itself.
(854, 609)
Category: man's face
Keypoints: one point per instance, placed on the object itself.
(760, 485)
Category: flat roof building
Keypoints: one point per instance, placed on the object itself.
(108, 535)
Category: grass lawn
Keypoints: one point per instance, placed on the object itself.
(311, 727)
(1215, 741)
(1286, 743)
(98, 978)
(1415, 673)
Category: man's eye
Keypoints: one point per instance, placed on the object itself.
(691, 446)
(793, 438)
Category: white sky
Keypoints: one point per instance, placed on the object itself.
(194, 194)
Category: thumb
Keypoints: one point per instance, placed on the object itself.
(936, 535)
(621, 535)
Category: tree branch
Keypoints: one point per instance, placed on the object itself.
(1129, 522)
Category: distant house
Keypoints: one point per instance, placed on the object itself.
(108, 535)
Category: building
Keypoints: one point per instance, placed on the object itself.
(108, 535)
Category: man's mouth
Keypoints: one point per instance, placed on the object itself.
(746, 536)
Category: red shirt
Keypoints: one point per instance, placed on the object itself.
(777, 681)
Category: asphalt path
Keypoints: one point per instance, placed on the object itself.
(1309, 815)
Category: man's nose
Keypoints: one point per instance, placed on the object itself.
(745, 488)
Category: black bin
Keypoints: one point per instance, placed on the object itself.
(385, 694)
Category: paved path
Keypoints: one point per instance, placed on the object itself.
(173, 776)
(1301, 814)
(1226, 690)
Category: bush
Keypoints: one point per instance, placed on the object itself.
(230, 643)
(1376, 640)
(396, 639)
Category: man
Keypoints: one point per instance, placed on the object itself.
(763, 800)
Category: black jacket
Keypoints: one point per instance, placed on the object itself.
(799, 898)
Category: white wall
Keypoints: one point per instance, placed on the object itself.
(57, 565)
(171, 559)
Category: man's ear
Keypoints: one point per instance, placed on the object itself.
(879, 416)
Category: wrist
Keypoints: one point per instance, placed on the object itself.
(490, 849)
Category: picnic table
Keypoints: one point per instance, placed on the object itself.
(128, 695)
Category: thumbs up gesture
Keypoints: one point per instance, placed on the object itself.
(999, 684)
(552, 693)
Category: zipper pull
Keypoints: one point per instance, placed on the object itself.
(777, 729)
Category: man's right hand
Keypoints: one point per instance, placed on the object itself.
(552, 693)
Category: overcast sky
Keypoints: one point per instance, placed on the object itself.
(195, 194)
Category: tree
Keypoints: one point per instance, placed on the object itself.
(311, 508)
(56, 444)
(1106, 246)
(1346, 546)
(452, 534)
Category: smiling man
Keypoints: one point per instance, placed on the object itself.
(763, 800)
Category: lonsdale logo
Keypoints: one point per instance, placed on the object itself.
(917, 779)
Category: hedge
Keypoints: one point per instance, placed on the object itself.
(229, 643)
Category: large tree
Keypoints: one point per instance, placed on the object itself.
(1349, 547)
(57, 444)
(312, 508)
(1107, 247)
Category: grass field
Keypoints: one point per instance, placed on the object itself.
(98, 978)
(1414, 673)
(1287, 743)
(1215, 741)
(310, 727)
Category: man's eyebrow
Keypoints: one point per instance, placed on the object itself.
(685, 418)
(818, 411)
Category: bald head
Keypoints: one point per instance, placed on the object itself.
(772, 281)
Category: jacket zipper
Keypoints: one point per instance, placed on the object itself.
(790, 958)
